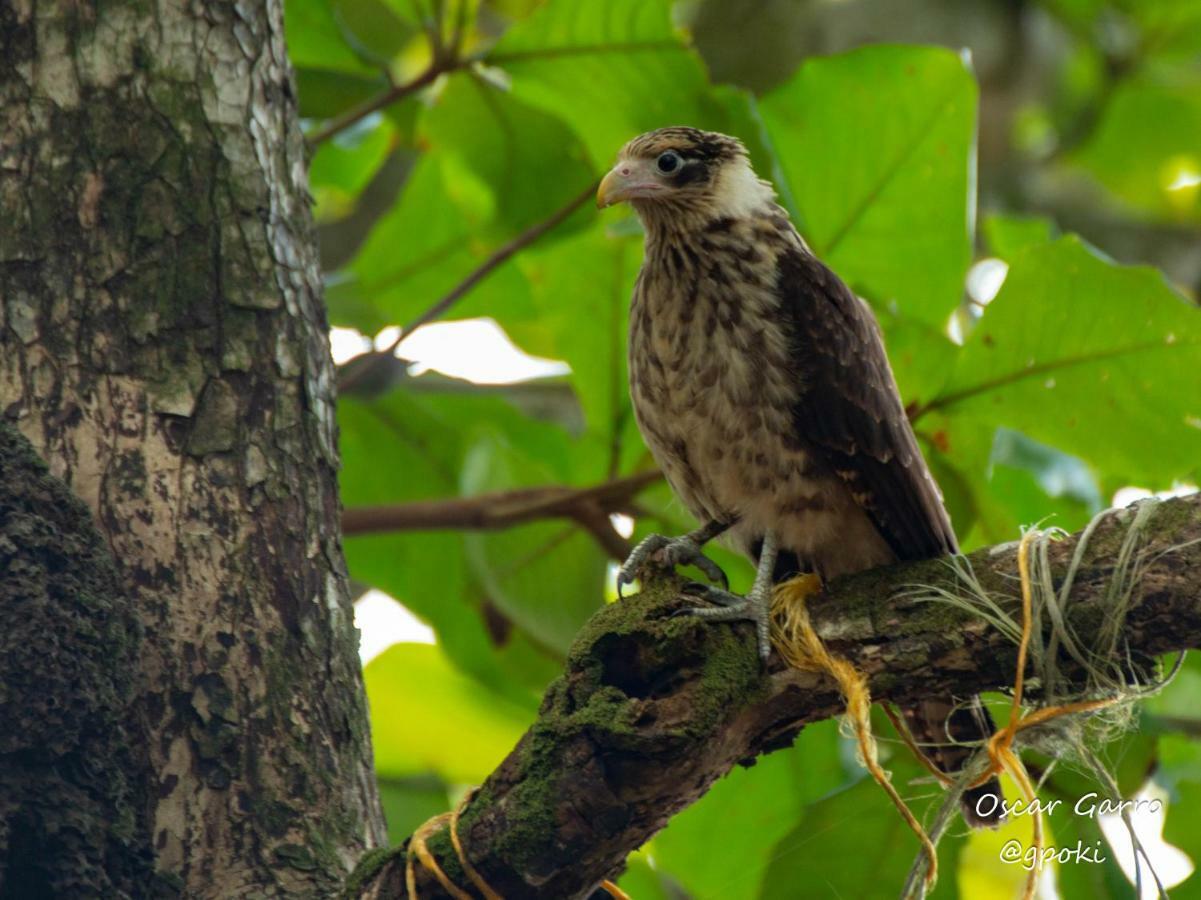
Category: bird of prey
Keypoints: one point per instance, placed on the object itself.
(761, 386)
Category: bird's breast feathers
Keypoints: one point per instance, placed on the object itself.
(714, 382)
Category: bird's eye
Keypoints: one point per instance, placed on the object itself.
(668, 162)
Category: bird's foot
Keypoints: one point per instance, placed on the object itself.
(669, 553)
(729, 607)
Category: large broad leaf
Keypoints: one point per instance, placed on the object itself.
(581, 288)
(1074, 347)
(996, 481)
(611, 70)
(1008, 235)
(1147, 139)
(424, 445)
(418, 252)
(547, 577)
(317, 40)
(854, 844)
(641, 881)
(721, 846)
(427, 716)
(341, 50)
(921, 355)
(408, 802)
(530, 162)
(877, 157)
(324, 93)
(340, 169)
(426, 571)
(1182, 828)
(377, 30)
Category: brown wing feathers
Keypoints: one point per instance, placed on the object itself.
(850, 410)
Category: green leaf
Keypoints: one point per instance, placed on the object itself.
(876, 150)
(1148, 137)
(722, 845)
(1181, 830)
(1074, 347)
(325, 93)
(426, 571)
(852, 844)
(586, 278)
(341, 168)
(425, 442)
(1179, 761)
(531, 163)
(416, 254)
(1008, 235)
(641, 881)
(315, 39)
(921, 355)
(427, 716)
(374, 29)
(610, 70)
(548, 577)
(409, 802)
(1179, 699)
(995, 481)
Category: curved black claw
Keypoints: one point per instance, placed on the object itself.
(729, 607)
(669, 552)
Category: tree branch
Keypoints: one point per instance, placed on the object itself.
(398, 92)
(653, 709)
(356, 370)
(503, 509)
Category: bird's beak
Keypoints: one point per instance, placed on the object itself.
(625, 181)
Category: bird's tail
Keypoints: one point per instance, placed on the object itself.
(943, 729)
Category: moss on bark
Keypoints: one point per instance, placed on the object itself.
(72, 790)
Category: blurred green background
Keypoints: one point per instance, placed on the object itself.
(1014, 186)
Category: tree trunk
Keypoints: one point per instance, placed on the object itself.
(163, 348)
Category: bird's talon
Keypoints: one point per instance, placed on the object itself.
(667, 553)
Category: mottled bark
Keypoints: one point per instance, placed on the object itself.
(653, 709)
(163, 347)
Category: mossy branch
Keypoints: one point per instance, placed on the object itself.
(652, 709)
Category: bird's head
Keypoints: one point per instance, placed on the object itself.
(684, 171)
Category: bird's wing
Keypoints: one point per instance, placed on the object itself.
(851, 412)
